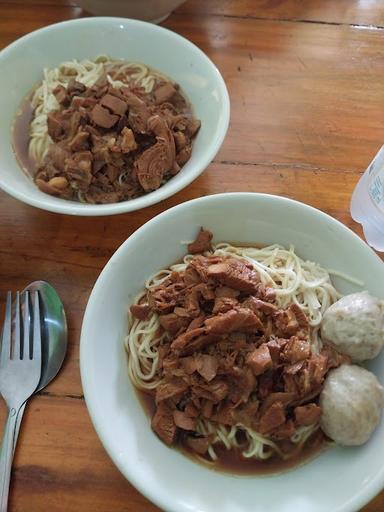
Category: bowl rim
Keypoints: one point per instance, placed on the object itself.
(359, 500)
(64, 206)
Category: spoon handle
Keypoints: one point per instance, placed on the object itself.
(6, 457)
(17, 427)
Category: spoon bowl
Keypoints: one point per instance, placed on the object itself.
(54, 331)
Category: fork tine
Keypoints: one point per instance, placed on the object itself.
(36, 344)
(6, 339)
(26, 326)
(16, 347)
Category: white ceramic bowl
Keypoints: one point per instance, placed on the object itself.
(22, 65)
(340, 480)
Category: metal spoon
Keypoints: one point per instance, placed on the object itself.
(53, 337)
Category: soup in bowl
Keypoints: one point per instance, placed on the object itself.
(103, 121)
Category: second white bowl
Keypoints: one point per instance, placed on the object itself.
(22, 65)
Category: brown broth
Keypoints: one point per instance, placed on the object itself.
(231, 461)
(147, 400)
(20, 136)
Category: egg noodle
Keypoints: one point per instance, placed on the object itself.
(294, 280)
(87, 72)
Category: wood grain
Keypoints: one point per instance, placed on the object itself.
(61, 466)
(17, 19)
(292, 87)
(307, 117)
(352, 12)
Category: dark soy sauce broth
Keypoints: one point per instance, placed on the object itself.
(20, 137)
(231, 461)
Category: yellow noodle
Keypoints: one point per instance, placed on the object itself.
(293, 280)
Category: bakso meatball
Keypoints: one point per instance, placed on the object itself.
(351, 403)
(354, 325)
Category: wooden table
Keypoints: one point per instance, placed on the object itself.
(306, 87)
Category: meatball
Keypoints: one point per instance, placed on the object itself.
(351, 403)
(354, 325)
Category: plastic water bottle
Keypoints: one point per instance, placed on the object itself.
(367, 203)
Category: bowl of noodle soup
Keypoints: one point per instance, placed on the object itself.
(85, 61)
(314, 250)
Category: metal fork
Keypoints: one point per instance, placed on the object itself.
(20, 370)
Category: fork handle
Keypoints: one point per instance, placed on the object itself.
(19, 417)
(6, 457)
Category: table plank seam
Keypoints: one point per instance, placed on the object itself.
(50, 394)
(74, 6)
(285, 20)
(285, 165)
